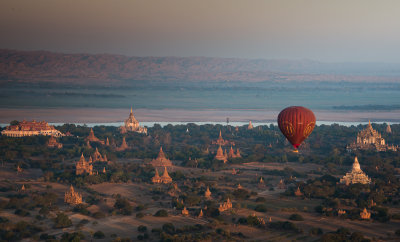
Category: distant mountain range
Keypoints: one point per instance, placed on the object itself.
(106, 69)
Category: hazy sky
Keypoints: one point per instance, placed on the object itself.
(326, 30)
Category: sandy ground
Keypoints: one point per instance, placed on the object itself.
(92, 115)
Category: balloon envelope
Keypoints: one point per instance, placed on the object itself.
(296, 123)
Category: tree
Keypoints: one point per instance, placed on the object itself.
(161, 213)
(62, 221)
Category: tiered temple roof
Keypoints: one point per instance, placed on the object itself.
(185, 212)
(52, 143)
(72, 197)
(221, 155)
(93, 138)
(30, 128)
(369, 138)
(124, 145)
(225, 206)
(132, 125)
(298, 193)
(161, 159)
(82, 166)
(365, 214)
(220, 141)
(98, 157)
(356, 175)
(232, 153)
(165, 178)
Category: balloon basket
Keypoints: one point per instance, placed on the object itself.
(295, 151)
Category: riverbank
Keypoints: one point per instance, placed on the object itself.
(96, 115)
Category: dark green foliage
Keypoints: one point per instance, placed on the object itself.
(241, 194)
(316, 231)
(62, 221)
(168, 228)
(261, 208)
(72, 237)
(98, 215)
(123, 206)
(344, 235)
(261, 200)
(286, 225)
(139, 215)
(161, 213)
(296, 217)
(142, 228)
(99, 235)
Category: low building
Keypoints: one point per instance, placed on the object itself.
(31, 128)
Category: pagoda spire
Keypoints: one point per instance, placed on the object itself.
(131, 110)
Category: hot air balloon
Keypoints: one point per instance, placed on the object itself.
(296, 123)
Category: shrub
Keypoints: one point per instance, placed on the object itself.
(99, 235)
(261, 208)
(296, 217)
(62, 221)
(168, 228)
(98, 215)
(316, 231)
(123, 205)
(142, 228)
(161, 213)
(261, 200)
(139, 215)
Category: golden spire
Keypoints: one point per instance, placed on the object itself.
(131, 110)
